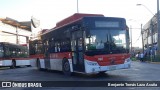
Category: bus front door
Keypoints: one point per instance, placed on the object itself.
(77, 51)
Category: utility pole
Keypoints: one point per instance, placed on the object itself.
(17, 41)
(158, 30)
(151, 27)
(131, 39)
(142, 38)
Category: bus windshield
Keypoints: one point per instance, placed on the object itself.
(106, 41)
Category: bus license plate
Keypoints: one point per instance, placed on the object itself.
(112, 68)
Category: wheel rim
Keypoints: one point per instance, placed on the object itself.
(66, 66)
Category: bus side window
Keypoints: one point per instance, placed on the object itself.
(68, 46)
(7, 52)
(65, 46)
(15, 52)
(1, 52)
(11, 51)
(57, 47)
(18, 52)
(52, 47)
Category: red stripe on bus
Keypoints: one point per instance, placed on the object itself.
(111, 59)
(15, 58)
(40, 56)
(53, 55)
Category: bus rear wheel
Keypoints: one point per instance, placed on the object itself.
(66, 67)
(28, 65)
(13, 64)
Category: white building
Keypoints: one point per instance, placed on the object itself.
(14, 31)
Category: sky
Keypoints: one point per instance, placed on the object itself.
(49, 12)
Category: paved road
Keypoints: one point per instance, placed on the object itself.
(138, 72)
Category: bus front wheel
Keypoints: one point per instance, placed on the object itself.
(66, 67)
(102, 73)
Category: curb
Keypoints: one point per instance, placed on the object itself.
(147, 62)
(154, 62)
(3, 68)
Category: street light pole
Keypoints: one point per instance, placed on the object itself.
(146, 8)
(150, 27)
(77, 7)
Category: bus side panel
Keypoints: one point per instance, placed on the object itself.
(22, 62)
(33, 62)
(42, 64)
(5, 62)
(56, 64)
(1, 62)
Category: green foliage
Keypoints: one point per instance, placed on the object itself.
(155, 58)
(133, 59)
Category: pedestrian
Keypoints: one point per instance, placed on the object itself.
(142, 57)
(138, 55)
(100, 45)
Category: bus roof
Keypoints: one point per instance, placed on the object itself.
(8, 43)
(73, 18)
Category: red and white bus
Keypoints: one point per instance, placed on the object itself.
(12, 55)
(85, 43)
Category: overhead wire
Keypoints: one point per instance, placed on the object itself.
(137, 39)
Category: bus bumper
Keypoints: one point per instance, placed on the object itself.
(93, 67)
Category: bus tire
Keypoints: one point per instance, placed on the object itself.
(102, 73)
(13, 64)
(28, 65)
(66, 67)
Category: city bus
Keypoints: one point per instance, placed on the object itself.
(36, 53)
(13, 55)
(84, 43)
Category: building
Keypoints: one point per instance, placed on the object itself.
(150, 37)
(14, 31)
